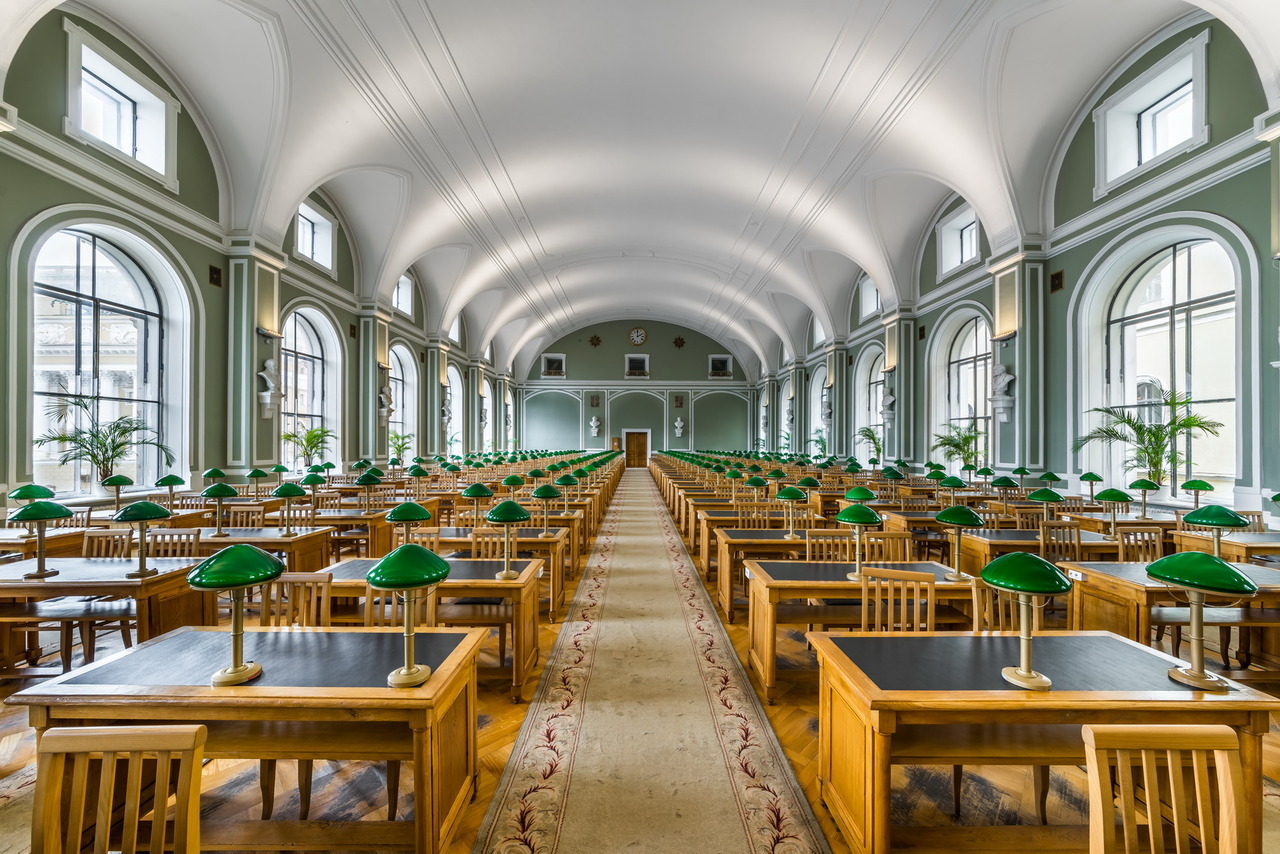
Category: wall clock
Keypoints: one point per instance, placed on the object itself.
(637, 336)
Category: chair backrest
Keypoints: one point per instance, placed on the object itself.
(1060, 541)
(990, 518)
(192, 502)
(245, 517)
(914, 502)
(1140, 544)
(109, 542)
(386, 608)
(428, 538)
(1256, 524)
(486, 543)
(828, 545)
(754, 514)
(888, 546)
(996, 612)
(173, 543)
(1071, 504)
(297, 599)
(1132, 767)
(1028, 518)
(81, 517)
(85, 773)
(897, 600)
(327, 500)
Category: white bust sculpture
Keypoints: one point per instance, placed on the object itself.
(595, 425)
(679, 425)
(269, 400)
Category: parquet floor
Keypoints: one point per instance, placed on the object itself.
(991, 795)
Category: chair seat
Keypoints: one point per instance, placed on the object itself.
(1175, 616)
(68, 609)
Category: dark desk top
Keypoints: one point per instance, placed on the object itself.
(758, 534)
(19, 534)
(460, 569)
(82, 570)
(802, 570)
(940, 663)
(1014, 535)
(516, 533)
(734, 514)
(1247, 538)
(1155, 517)
(1136, 573)
(233, 534)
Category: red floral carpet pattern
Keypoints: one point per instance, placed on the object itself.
(774, 809)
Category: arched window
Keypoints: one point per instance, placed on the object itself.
(508, 416)
(97, 344)
(969, 381)
(486, 418)
(819, 439)
(303, 382)
(787, 424)
(1171, 329)
(869, 396)
(402, 382)
(455, 426)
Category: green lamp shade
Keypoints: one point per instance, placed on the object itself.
(1216, 516)
(900, 463)
(141, 511)
(1201, 571)
(361, 464)
(953, 483)
(858, 514)
(256, 473)
(566, 480)
(477, 490)
(279, 468)
(39, 511)
(875, 461)
(419, 460)
(823, 466)
(33, 492)
(581, 473)
(317, 469)
(406, 568)
(117, 480)
(733, 474)
(452, 468)
(394, 461)
(860, 493)
(1144, 484)
(240, 565)
(1046, 495)
(1114, 495)
(852, 468)
(891, 474)
(1091, 477)
(219, 490)
(968, 467)
(809, 482)
(1049, 477)
(1021, 471)
(290, 490)
(170, 480)
(756, 482)
(410, 511)
(717, 468)
(936, 474)
(546, 492)
(417, 471)
(934, 466)
(1004, 482)
(790, 493)
(507, 513)
(536, 473)
(1197, 486)
(959, 516)
(513, 480)
(754, 468)
(985, 472)
(214, 473)
(368, 479)
(313, 480)
(1019, 572)
(776, 474)
(375, 471)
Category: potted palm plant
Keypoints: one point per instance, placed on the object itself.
(871, 437)
(1153, 444)
(83, 435)
(399, 443)
(311, 443)
(960, 442)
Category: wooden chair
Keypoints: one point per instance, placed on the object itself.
(385, 608)
(829, 546)
(887, 546)
(990, 518)
(81, 517)
(1132, 769)
(175, 543)
(486, 543)
(327, 500)
(897, 601)
(1071, 504)
(109, 542)
(1060, 541)
(1140, 544)
(1256, 523)
(754, 514)
(297, 599)
(86, 773)
(428, 538)
(245, 517)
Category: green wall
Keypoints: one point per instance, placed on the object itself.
(667, 362)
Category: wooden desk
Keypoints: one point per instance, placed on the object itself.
(980, 546)
(380, 530)
(755, 542)
(165, 601)
(322, 695)
(551, 548)
(58, 542)
(773, 581)
(917, 520)
(877, 692)
(1240, 548)
(308, 551)
(708, 521)
(474, 578)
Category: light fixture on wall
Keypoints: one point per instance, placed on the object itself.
(269, 334)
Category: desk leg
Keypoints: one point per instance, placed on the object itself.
(704, 554)
(762, 656)
(424, 819)
(881, 792)
(1251, 769)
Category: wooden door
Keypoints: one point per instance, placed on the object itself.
(637, 449)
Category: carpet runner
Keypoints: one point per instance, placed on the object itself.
(645, 733)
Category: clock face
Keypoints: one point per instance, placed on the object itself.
(637, 336)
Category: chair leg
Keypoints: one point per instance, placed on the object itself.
(1224, 644)
(393, 788)
(267, 785)
(126, 634)
(1040, 786)
(957, 777)
(88, 642)
(64, 631)
(306, 772)
(502, 645)
(1175, 637)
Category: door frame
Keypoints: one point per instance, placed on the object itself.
(648, 443)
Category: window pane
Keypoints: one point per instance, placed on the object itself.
(1213, 352)
(1210, 271)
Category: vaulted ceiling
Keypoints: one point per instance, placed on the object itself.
(730, 165)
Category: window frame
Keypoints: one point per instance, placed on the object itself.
(949, 243)
(290, 361)
(78, 40)
(402, 382)
(327, 232)
(551, 372)
(404, 285)
(627, 371)
(726, 373)
(981, 363)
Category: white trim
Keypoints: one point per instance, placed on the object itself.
(711, 365)
(626, 365)
(328, 234)
(564, 364)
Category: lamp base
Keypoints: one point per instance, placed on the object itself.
(1030, 680)
(401, 678)
(547, 532)
(144, 572)
(853, 576)
(955, 575)
(45, 574)
(506, 575)
(219, 534)
(791, 535)
(236, 675)
(288, 533)
(1202, 681)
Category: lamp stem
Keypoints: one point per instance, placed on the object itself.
(171, 499)
(1113, 519)
(288, 517)
(40, 556)
(1217, 543)
(410, 606)
(857, 549)
(1195, 632)
(955, 574)
(218, 532)
(237, 629)
(1024, 635)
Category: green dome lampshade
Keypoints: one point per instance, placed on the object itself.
(875, 461)
(953, 482)
(1093, 479)
(1144, 486)
(1195, 487)
(985, 471)
(959, 516)
(934, 466)
(256, 473)
(824, 466)
(375, 471)
(754, 468)
(1004, 482)
(936, 474)
(40, 511)
(280, 468)
(717, 468)
(733, 474)
(361, 465)
(566, 480)
(1046, 495)
(219, 490)
(368, 479)
(170, 482)
(418, 460)
(417, 471)
(1198, 573)
(313, 480)
(317, 469)
(290, 490)
(809, 482)
(859, 514)
(892, 474)
(513, 480)
(1021, 471)
(968, 467)
(141, 511)
(329, 466)
(408, 569)
(860, 493)
(776, 474)
(546, 492)
(35, 492)
(581, 473)
(1025, 575)
(534, 474)
(408, 514)
(1216, 516)
(1049, 477)
(117, 480)
(852, 468)
(507, 513)
(214, 474)
(236, 568)
(790, 493)
(1114, 496)
(477, 491)
(1020, 572)
(394, 462)
(450, 467)
(756, 482)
